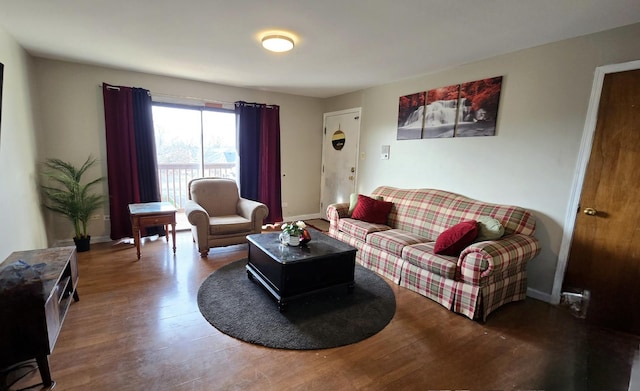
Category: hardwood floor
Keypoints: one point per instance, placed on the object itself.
(137, 327)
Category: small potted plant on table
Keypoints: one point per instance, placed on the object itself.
(65, 193)
(294, 234)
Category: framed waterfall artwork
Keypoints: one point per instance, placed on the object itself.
(441, 112)
(461, 110)
(410, 116)
(479, 101)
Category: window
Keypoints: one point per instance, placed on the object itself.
(193, 142)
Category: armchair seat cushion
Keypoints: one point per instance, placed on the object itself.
(223, 225)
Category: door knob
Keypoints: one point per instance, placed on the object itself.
(590, 211)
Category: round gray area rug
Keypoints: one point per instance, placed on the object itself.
(244, 310)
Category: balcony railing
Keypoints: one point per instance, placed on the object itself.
(174, 179)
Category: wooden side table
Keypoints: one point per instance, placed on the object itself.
(151, 214)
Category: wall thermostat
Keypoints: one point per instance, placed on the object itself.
(384, 152)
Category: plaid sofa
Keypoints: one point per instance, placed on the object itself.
(485, 276)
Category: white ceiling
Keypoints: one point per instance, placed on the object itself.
(341, 45)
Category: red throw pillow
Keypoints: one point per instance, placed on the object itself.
(372, 211)
(453, 240)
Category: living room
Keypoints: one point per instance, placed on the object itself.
(53, 108)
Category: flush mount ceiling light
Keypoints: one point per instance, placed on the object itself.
(277, 43)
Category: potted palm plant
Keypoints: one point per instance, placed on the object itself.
(65, 193)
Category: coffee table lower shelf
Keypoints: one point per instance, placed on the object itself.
(282, 300)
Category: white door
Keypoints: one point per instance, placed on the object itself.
(339, 157)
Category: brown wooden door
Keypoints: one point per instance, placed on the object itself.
(605, 251)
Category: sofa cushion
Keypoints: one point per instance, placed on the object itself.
(489, 229)
(372, 211)
(453, 240)
(359, 229)
(422, 256)
(394, 240)
(222, 225)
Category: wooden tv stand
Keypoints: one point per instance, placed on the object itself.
(32, 313)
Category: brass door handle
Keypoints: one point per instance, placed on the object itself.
(590, 211)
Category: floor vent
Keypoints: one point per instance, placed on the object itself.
(576, 302)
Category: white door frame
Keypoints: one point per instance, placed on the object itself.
(578, 179)
(355, 110)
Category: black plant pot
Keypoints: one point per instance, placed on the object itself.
(83, 244)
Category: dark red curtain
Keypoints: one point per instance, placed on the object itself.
(131, 159)
(259, 150)
(146, 156)
(269, 167)
(248, 124)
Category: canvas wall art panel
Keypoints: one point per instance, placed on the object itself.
(411, 116)
(441, 112)
(479, 101)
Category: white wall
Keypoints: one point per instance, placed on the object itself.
(21, 226)
(72, 126)
(530, 162)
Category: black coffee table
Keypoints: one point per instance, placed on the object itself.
(289, 273)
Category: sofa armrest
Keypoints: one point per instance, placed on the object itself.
(338, 211)
(335, 212)
(484, 259)
(254, 211)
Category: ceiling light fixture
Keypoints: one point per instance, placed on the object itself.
(277, 43)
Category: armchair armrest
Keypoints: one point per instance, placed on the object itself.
(199, 219)
(196, 214)
(254, 211)
(484, 259)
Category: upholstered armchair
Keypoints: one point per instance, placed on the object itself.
(219, 216)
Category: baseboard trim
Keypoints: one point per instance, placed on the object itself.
(303, 217)
(536, 294)
(70, 242)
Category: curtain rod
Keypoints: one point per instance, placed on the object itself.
(268, 106)
(116, 88)
(204, 100)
